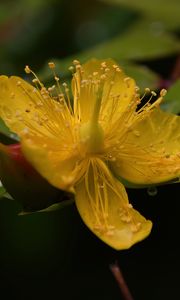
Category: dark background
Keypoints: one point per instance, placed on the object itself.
(54, 256)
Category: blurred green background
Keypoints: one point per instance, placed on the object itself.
(53, 255)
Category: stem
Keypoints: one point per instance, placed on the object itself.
(115, 269)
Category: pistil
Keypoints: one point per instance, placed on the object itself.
(91, 133)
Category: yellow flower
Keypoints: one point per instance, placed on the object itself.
(106, 134)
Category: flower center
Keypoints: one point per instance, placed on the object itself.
(92, 136)
(91, 133)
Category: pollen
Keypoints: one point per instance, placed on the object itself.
(56, 78)
(35, 80)
(153, 93)
(76, 62)
(71, 68)
(51, 65)
(103, 65)
(27, 70)
(163, 92)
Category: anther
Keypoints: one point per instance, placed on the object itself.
(51, 65)
(163, 92)
(50, 89)
(103, 77)
(71, 68)
(56, 78)
(27, 70)
(103, 64)
(78, 67)
(153, 93)
(118, 70)
(35, 80)
(76, 62)
(115, 66)
(130, 205)
(137, 88)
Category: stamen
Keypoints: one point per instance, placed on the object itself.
(153, 93)
(163, 92)
(27, 70)
(67, 95)
(51, 65)
(71, 69)
(103, 65)
(76, 62)
(36, 79)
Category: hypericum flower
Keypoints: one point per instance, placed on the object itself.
(106, 136)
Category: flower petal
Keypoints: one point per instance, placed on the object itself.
(103, 205)
(45, 127)
(150, 151)
(26, 109)
(56, 162)
(106, 78)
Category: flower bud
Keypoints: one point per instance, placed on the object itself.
(24, 183)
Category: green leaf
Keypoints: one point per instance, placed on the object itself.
(2, 191)
(51, 208)
(139, 42)
(172, 99)
(163, 13)
(143, 76)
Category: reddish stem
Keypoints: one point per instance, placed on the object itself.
(115, 269)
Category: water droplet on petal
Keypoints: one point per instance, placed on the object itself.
(152, 191)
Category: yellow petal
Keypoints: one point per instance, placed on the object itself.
(103, 79)
(103, 205)
(56, 162)
(150, 151)
(25, 110)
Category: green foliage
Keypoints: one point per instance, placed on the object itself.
(172, 99)
(164, 12)
(140, 42)
(2, 191)
(50, 208)
(143, 76)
